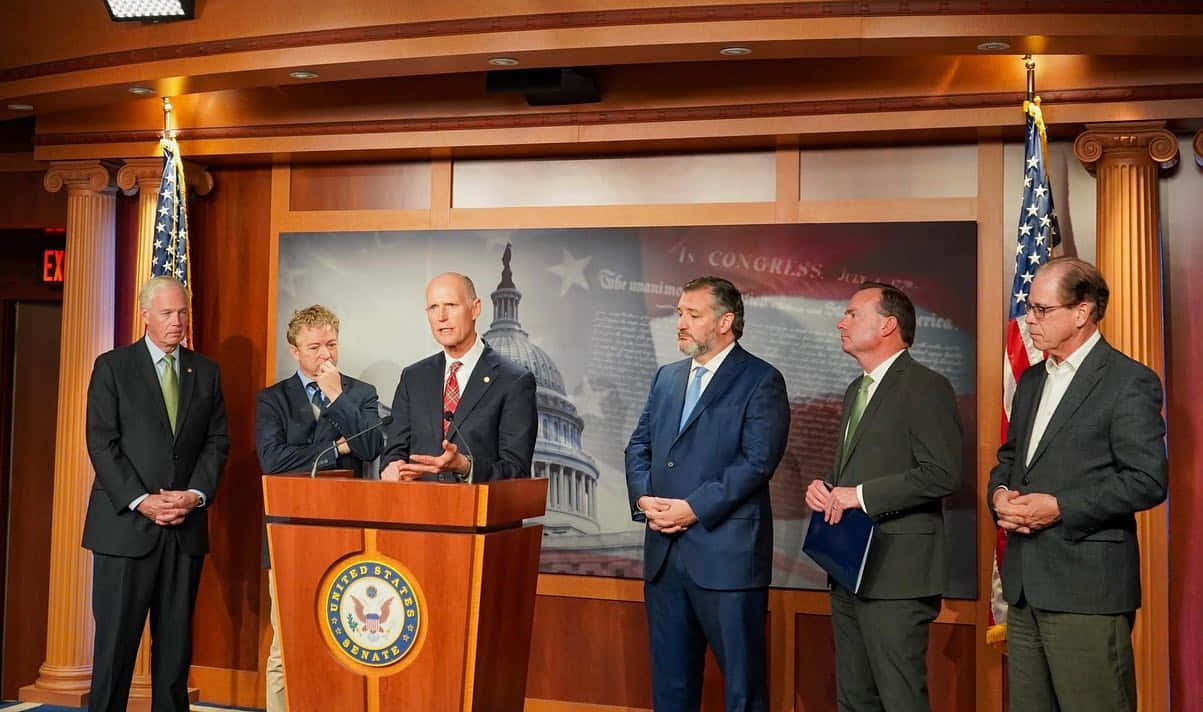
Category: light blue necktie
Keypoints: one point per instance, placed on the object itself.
(692, 395)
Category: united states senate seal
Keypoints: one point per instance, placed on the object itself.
(373, 612)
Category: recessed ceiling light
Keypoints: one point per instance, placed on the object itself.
(141, 91)
(502, 61)
(303, 74)
(21, 107)
(734, 51)
(994, 46)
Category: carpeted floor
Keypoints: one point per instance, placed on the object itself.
(22, 706)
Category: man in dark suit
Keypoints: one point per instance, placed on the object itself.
(698, 468)
(467, 394)
(156, 432)
(301, 418)
(1085, 451)
(899, 454)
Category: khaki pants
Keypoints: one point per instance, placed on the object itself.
(274, 670)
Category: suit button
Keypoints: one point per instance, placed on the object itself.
(670, 464)
(1027, 480)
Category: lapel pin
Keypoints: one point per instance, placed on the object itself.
(189, 370)
(486, 379)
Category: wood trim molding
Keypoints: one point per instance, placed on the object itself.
(716, 112)
(582, 20)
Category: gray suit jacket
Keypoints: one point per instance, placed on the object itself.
(907, 454)
(1103, 457)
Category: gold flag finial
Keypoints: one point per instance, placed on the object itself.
(167, 130)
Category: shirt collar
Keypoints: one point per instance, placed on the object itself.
(715, 361)
(156, 353)
(880, 372)
(1074, 361)
(305, 380)
(468, 360)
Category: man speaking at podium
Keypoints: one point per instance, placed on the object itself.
(467, 413)
(314, 419)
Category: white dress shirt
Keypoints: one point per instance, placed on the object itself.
(1056, 383)
(876, 374)
(468, 360)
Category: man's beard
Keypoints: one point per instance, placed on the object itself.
(694, 348)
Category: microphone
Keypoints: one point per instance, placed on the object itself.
(383, 421)
(452, 431)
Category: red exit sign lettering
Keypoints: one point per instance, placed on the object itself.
(52, 266)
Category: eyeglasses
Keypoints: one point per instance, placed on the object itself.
(1040, 311)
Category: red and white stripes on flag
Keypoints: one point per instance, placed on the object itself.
(1036, 236)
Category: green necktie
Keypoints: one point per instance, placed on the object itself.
(171, 389)
(858, 409)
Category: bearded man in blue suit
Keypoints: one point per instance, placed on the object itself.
(698, 468)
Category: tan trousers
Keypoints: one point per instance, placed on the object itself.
(274, 670)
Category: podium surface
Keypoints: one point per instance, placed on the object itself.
(404, 595)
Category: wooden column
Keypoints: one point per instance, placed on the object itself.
(87, 331)
(143, 176)
(1126, 159)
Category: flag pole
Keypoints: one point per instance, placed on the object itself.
(167, 132)
(1029, 64)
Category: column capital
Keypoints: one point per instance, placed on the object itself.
(90, 176)
(1199, 147)
(1141, 140)
(142, 173)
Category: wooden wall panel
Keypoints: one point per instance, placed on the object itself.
(1183, 256)
(24, 203)
(126, 283)
(361, 186)
(950, 660)
(30, 490)
(230, 244)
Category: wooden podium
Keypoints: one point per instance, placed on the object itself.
(404, 595)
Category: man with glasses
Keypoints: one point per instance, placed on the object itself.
(1085, 451)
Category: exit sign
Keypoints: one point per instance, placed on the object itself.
(52, 266)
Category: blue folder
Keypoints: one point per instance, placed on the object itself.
(841, 549)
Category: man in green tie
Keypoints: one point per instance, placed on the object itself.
(898, 456)
(156, 432)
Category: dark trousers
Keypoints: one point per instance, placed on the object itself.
(683, 618)
(1069, 661)
(881, 651)
(163, 583)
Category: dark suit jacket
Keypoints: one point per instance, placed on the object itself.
(134, 452)
(720, 463)
(496, 416)
(288, 438)
(907, 454)
(1103, 457)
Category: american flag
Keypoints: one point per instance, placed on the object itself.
(169, 255)
(1037, 235)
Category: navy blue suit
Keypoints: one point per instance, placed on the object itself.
(710, 582)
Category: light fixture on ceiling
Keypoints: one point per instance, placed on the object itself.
(993, 46)
(141, 91)
(303, 74)
(503, 61)
(20, 107)
(150, 10)
(735, 51)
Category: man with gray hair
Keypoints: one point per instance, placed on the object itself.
(1085, 452)
(156, 433)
